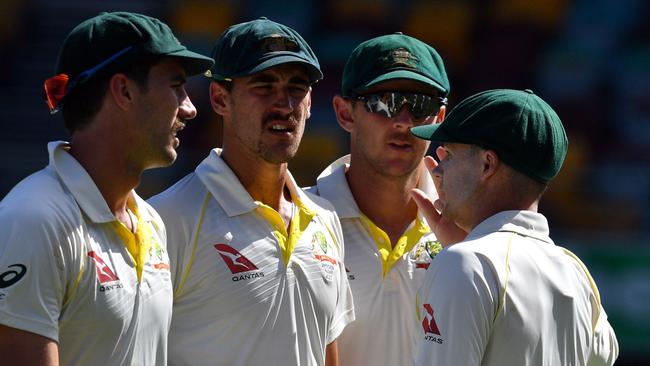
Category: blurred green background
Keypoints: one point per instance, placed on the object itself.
(590, 59)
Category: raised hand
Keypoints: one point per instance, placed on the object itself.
(446, 231)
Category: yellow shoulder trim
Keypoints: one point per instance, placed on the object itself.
(505, 284)
(195, 243)
(592, 283)
(70, 294)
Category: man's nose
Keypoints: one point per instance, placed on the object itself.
(404, 118)
(186, 110)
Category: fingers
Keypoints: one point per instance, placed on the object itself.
(430, 163)
(447, 232)
(426, 206)
(441, 152)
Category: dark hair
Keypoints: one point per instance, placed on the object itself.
(84, 101)
(226, 84)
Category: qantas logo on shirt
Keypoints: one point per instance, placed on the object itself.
(429, 325)
(104, 272)
(237, 263)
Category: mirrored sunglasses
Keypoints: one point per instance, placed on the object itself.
(389, 104)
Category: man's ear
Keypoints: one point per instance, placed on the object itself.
(343, 111)
(121, 90)
(441, 115)
(219, 98)
(308, 103)
(490, 163)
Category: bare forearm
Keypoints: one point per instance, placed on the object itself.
(19, 347)
(332, 354)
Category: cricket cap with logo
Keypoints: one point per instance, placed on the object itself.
(109, 41)
(390, 57)
(248, 48)
(519, 126)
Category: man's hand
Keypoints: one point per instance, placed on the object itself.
(447, 232)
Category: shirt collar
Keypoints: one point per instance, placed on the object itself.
(82, 187)
(526, 223)
(231, 195)
(333, 186)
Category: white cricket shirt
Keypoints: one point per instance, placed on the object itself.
(384, 280)
(66, 273)
(507, 295)
(246, 292)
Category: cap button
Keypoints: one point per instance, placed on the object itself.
(529, 91)
(264, 18)
(399, 33)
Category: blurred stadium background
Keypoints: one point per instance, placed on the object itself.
(590, 59)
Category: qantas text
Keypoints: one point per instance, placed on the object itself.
(433, 339)
(247, 276)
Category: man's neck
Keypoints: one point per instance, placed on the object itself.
(114, 177)
(386, 201)
(264, 181)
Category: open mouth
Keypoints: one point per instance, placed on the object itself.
(178, 126)
(280, 128)
(400, 145)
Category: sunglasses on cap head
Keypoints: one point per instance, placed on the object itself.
(389, 104)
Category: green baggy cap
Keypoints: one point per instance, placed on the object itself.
(389, 57)
(519, 126)
(247, 48)
(121, 36)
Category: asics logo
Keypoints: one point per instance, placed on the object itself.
(12, 276)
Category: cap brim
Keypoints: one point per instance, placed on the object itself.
(403, 74)
(193, 63)
(314, 72)
(424, 132)
(434, 132)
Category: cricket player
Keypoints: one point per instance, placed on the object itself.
(390, 84)
(84, 272)
(506, 295)
(257, 264)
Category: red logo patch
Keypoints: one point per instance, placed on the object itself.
(324, 258)
(104, 272)
(234, 260)
(429, 322)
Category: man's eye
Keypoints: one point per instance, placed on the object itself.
(298, 90)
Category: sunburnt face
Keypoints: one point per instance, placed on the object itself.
(457, 180)
(163, 109)
(384, 143)
(267, 111)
